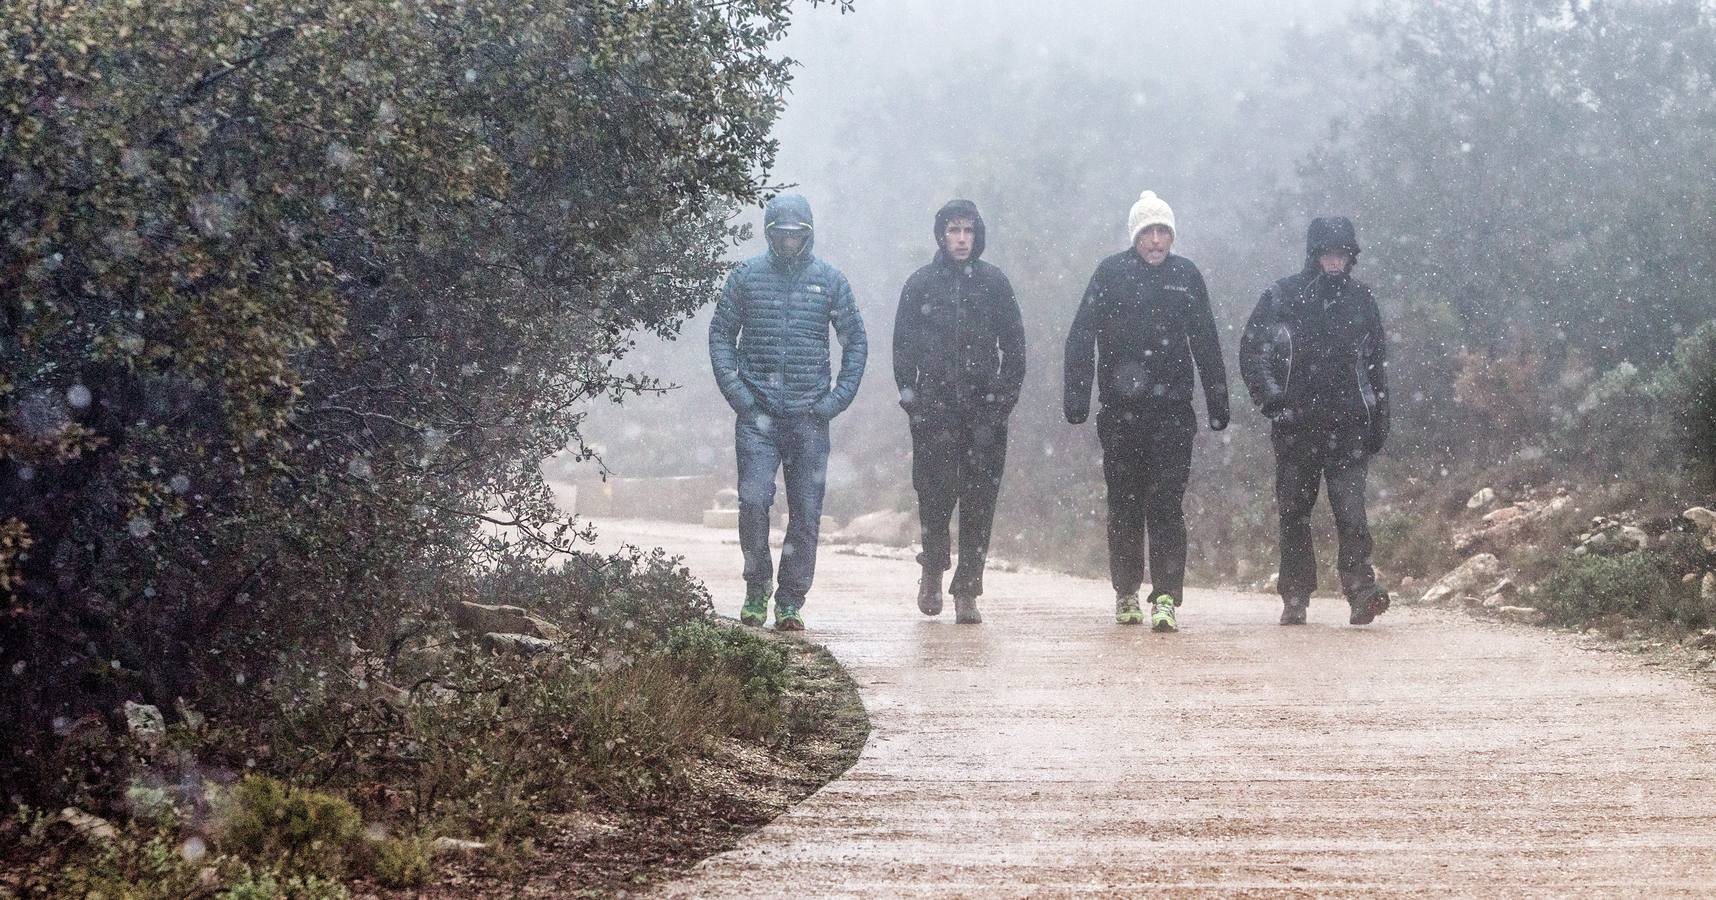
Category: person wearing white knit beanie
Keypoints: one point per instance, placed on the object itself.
(1150, 210)
(1143, 329)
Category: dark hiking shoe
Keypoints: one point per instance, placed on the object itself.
(1293, 611)
(756, 609)
(1162, 615)
(929, 593)
(1127, 610)
(788, 619)
(965, 611)
(1367, 608)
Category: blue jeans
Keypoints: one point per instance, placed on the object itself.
(799, 445)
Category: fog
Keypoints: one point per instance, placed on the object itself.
(1213, 60)
(1489, 155)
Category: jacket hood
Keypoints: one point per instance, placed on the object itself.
(1331, 233)
(960, 209)
(790, 212)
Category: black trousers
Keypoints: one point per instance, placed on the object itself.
(956, 463)
(1147, 460)
(1305, 458)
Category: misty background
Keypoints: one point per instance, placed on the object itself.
(1499, 160)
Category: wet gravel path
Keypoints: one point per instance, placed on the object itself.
(1050, 752)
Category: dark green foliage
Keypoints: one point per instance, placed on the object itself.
(1644, 584)
(629, 601)
(1411, 545)
(1541, 170)
(738, 653)
(1688, 385)
(400, 863)
(295, 296)
(138, 864)
(278, 825)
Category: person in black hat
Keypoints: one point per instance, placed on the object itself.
(1314, 357)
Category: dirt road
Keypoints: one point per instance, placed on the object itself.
(1050, 752)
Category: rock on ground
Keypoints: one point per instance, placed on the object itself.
(479, 618)
(1480, 569)
(888, 527)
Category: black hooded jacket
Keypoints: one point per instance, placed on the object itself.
(1314, 353)
(959, 344)
(1138, 331)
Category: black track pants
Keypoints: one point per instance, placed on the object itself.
(1147, 460)
(956, 464)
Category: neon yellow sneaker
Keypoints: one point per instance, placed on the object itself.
(756, 609)
(1126, 609)
(1162, 614)
(788, 619)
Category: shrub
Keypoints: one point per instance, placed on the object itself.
(1633, 584)
(1408, 544)
(298, 830)
(1688, 385)
(627, 602)
(298, 293)
(1616, 426)
(702, 649)
(137, 864)
(269, 885)
(400, 863)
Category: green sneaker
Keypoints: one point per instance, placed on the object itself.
(756, 609)
(788, 619)
(1162, 614)
(1126, 609)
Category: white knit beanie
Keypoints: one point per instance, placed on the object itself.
(1150, 210)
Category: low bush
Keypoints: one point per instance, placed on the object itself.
(270, 822)
(269, 885)
(628, 601)
(495, 741)
(398, 863)
(1640, 584)
(135, 864)
(702, 649)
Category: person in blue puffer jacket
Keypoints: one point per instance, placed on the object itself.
(768, 343)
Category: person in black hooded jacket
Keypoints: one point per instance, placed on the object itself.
(959, 360)
(1143, 324)
(1314, 357)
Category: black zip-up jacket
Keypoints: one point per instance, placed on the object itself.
(959, 344)
(1139, 330)
(1314, 354)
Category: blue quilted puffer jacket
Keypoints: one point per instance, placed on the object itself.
(769, 342)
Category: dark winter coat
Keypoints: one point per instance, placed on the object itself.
(1139, 329)
(768, 341)
(1314, 353)
(959, 344)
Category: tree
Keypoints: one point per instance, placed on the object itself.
(296, 294)
(1543, 170)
